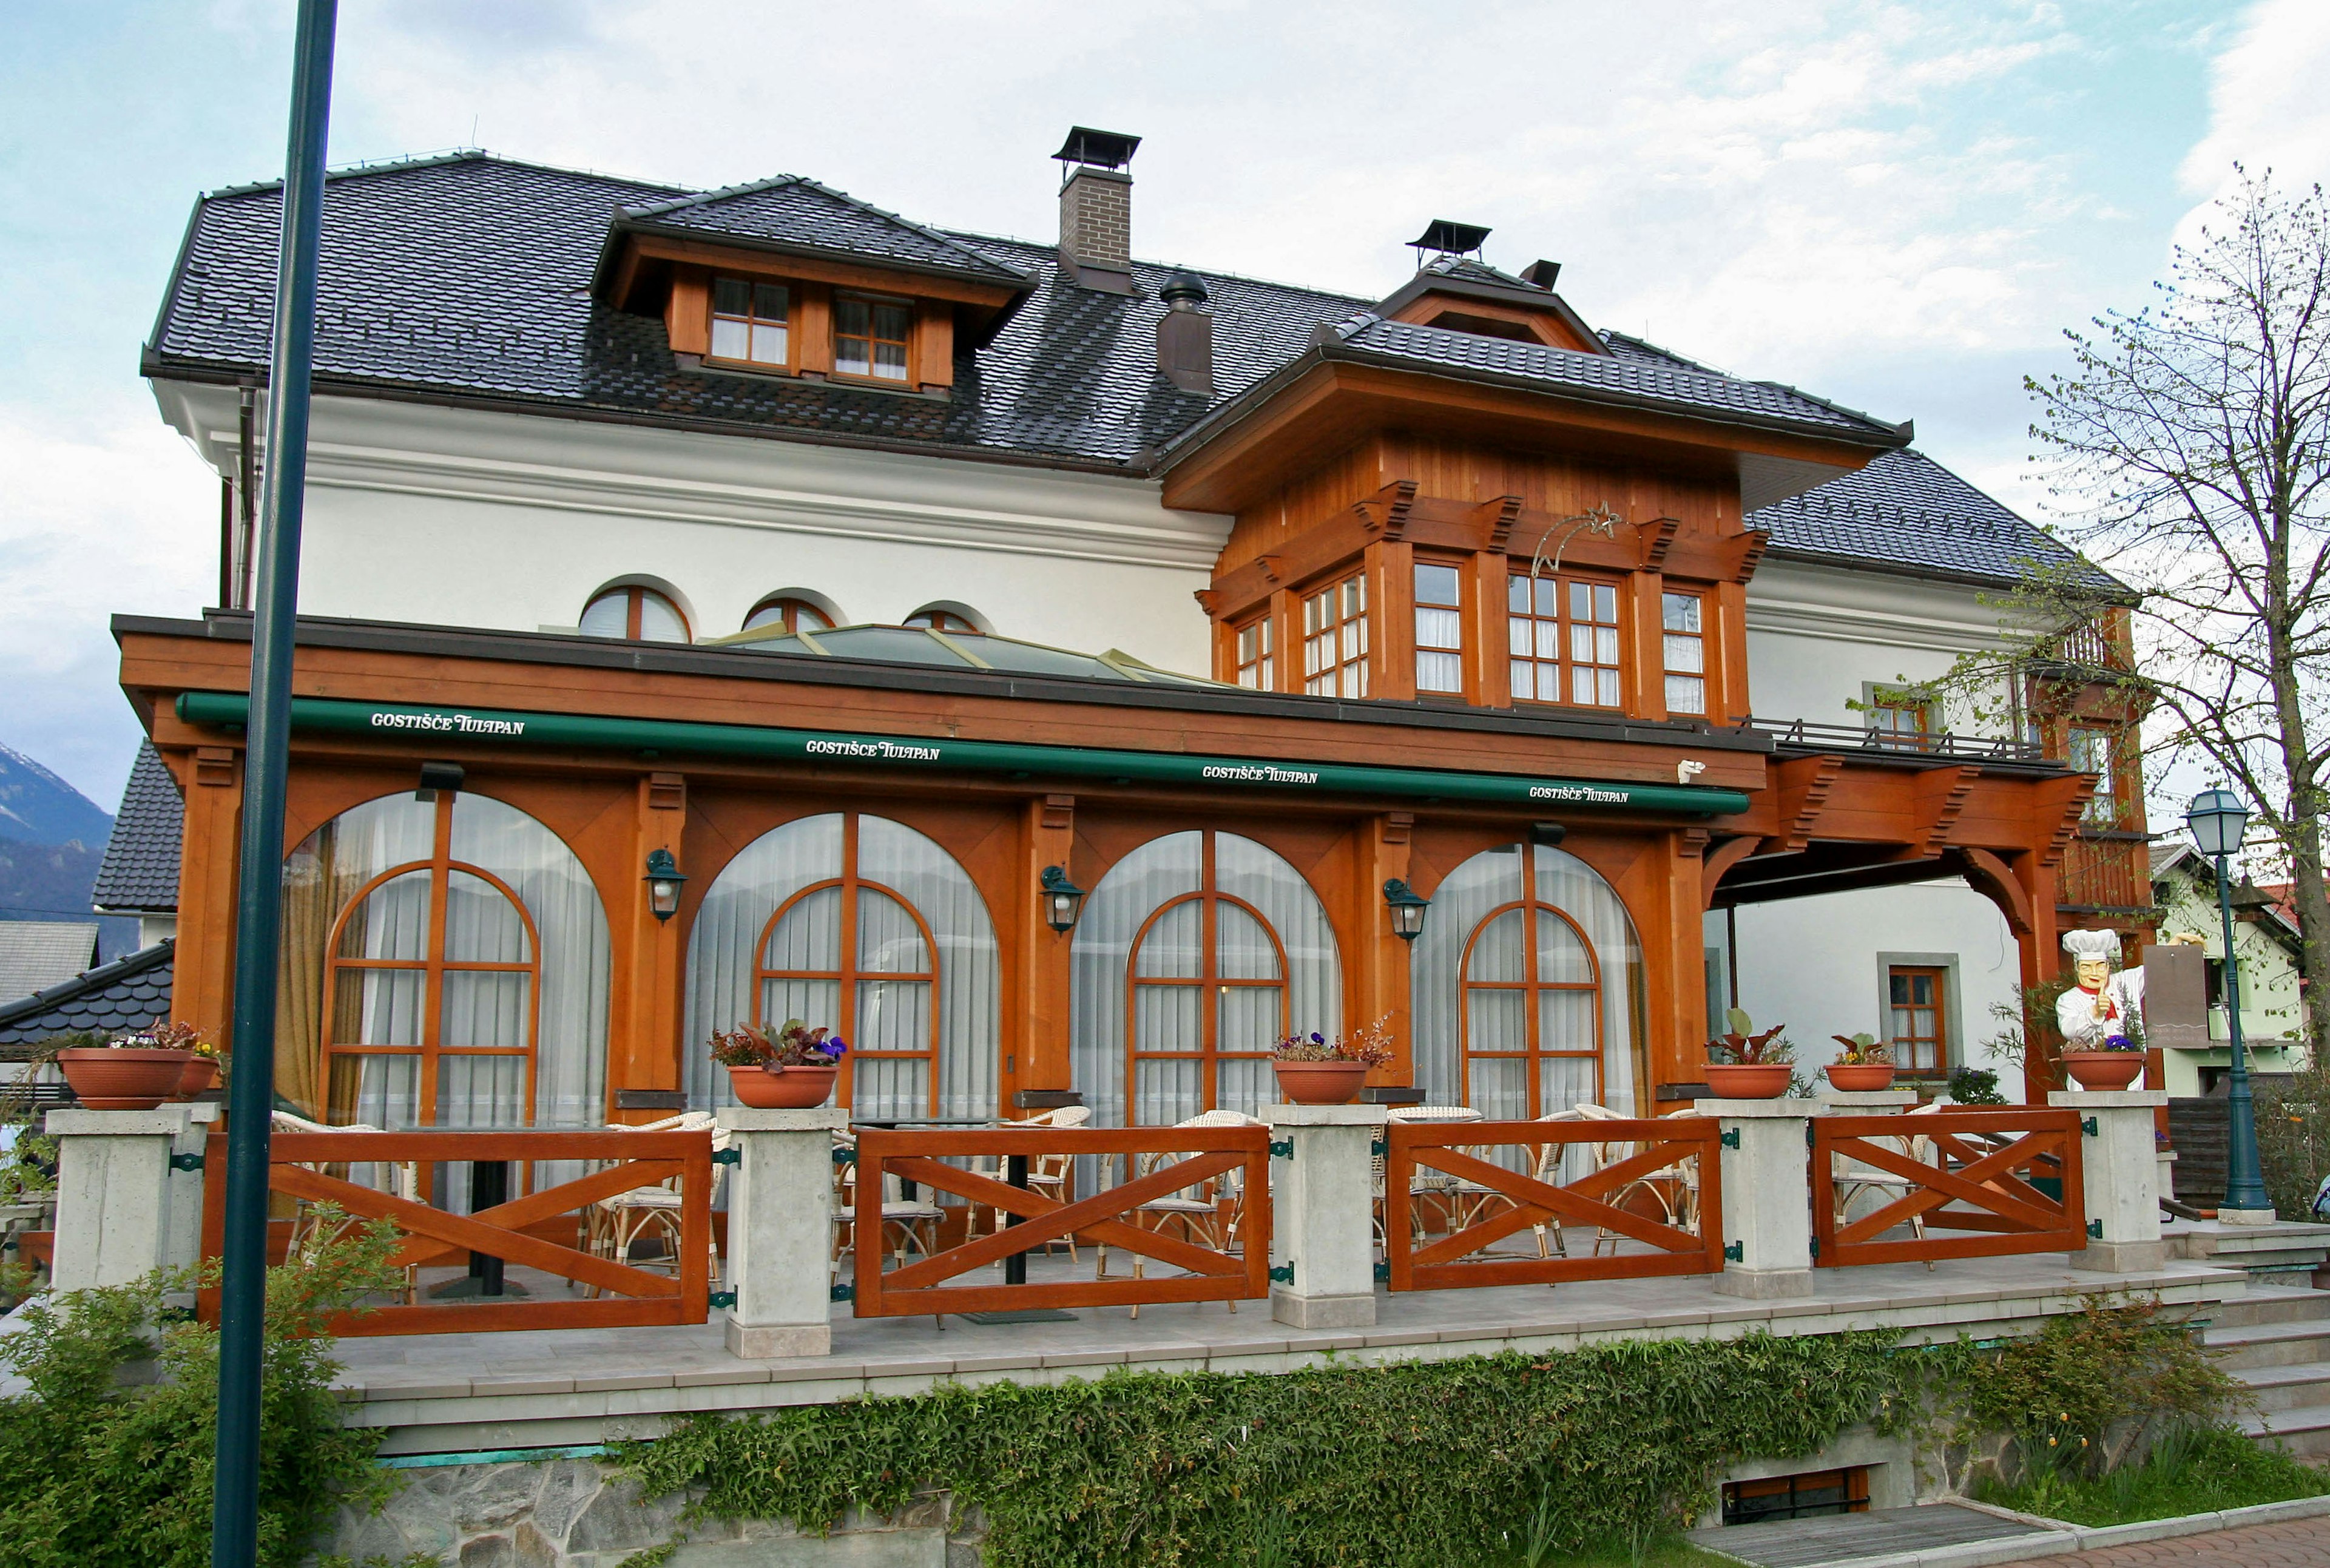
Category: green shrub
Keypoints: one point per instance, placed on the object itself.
(2293, 1127)
(108, 1453)
(1975, 1086)
(2190, 1470)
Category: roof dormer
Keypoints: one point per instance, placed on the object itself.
(1456, 290)
(787, 277)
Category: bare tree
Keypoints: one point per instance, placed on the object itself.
(2188, 453)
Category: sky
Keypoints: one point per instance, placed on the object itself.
(1899, 206)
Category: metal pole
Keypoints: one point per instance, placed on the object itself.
(2244, 1173)
(242, 1295)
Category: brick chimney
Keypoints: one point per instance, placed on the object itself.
(1096, 209)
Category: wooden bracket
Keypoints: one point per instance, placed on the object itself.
(1498, 514)
(1720, 860)
(1654, 539)
(666, 791)
(1745, 553)
(1386, 511)
(214, 766)
(1989, 874)
(1059, 811)
(1397, 826)
(1209, 601)
(1268, 566)
(1804, 783)
(1941, 795)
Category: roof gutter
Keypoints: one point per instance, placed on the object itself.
(929, 754)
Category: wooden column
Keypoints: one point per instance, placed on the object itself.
(2040, 949)
(1674, 967)
(1487, 665)
(1036, 1023)
(1727, 697)
(649, 956)
(1390, 566)
(1649, 697)
(1379, 968)
(201, 991)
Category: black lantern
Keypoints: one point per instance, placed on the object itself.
(1407, 906)
(664, 878)
(1063, 900)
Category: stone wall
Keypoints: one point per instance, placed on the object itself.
(579, 1514)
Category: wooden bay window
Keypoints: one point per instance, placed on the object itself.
(1439, 629)
(1565, 641)
(1257, 662)
(1335, 638)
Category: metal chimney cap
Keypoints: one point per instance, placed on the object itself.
(1107, 149)
(1184, 288)
(1450, 237)
(1544, 275)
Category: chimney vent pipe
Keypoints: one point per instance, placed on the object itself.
(1185, 338)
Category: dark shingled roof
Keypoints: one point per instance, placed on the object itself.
(140, 869)
(469, 274)
(125, 994)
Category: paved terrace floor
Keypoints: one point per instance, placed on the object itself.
(467, 1393)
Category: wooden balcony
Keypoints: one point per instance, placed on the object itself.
(2105, 871)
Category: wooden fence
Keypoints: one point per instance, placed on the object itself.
(543, 1231)
(1654, 1181)
(1229, 1165)
(1975, 1172)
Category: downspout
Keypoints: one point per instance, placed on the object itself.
(246, 491)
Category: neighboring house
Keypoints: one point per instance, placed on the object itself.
(140, 873)
(37, 953)
(127, 994)
(2266, 942)
(754, 527)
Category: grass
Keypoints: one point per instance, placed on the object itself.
(1669, 1552)
(2198, 1471)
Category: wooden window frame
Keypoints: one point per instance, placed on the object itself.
(1338, 586)
(713, 315)
(1416, 608)
(2105, 808)
(952, 623)
(1884, 706)
(1263, 666)
(1563, 621)
(1530, 987)
(1208, 980)
(788, 607)
(1704, 637)
(634, 595)
(907, 378)
(847, 977)
(1940, 974)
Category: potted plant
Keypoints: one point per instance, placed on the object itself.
(129, 1072)
(1315, 1070)
(1741, 1065)
(2114, 1062)
(791, 1068)
(205, 1058)
(1863, 1065)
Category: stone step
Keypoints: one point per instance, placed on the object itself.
(2270, 1303)
(2299, 1385)
(2304, 1430)
(2269, 1344)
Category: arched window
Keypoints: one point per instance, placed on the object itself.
(640, 614)
(1194, 955)
(867, 927)
(793, 614)
(1526, 987)
(444, 962)
(943, 620)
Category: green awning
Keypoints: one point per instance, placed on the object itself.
(927, 754)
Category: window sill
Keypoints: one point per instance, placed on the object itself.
(698, 363)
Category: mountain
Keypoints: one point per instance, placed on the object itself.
(37, 807)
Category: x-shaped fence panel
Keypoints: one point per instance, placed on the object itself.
(1973, 1171)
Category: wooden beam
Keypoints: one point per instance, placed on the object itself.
(1990, 875)
(1720, 860)
(1385, 513)
(773, 264)
(1941, 795)
(1804, 784)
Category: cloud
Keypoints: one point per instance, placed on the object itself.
(2266, 107)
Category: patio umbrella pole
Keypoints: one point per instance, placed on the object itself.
(250, 1095)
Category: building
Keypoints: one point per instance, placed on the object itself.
(753, 603)
(2272, 953)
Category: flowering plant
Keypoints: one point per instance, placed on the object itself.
(1861, 1049)
(791, 1044)
(1370, 1045)
(2116, 1042)
(160, 1036)
(1748, 1050)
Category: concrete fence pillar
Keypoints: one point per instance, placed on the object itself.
(780, 1229)
(2119, 1173)
(1767, 1232)
(123, 1209)
(1322, 1213)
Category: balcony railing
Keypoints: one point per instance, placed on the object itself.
(1941, 745)
(2105, 873)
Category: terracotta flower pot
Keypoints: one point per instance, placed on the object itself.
(1757, 1080)
(1860, 1078)
(199, 1074)
(782, 1088)
(2104, 1070)
(125, 1078)
(1320, 1083)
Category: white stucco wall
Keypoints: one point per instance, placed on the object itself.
(1818, 636)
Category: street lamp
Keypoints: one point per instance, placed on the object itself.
(2218, 819)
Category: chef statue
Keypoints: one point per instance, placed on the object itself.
(2102, 1004)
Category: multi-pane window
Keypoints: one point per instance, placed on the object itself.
(1439, 630)
(1257, 662)
(750, 322)
(1901, 721)
(1685, 641)
(1918, 1028)
(2091, 752)
(1335, 638)
(792, 615)
(1565, 641)
(870, 338)
(642, 614)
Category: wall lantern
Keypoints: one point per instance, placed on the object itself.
(664, 878)
(1063, 900)
(1407, 908)
(2218, 820)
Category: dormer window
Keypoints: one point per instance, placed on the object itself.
(751, 322)
(638, 615)
(870, 336)
(792, 615)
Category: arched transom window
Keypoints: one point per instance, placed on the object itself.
(1526, 987)
(1194, 955)
(865, 926)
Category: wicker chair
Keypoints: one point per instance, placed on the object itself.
(1433, 1183)
(1674, 1191)
(1201, 1216)
(1851, 1179)
(1050, 1175)
(612, 1225)
(308, 1230)
(914, 1220)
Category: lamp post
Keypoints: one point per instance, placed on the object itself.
(2218, 819)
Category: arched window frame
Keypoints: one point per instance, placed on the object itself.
(847, 977)
(634, 595)
(1208, 980)
(939, 618)
(790, 609)
(434, 965)
(1530, 987)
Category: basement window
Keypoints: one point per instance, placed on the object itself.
(1812, 1495)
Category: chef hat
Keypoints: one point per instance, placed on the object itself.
(2104, 945)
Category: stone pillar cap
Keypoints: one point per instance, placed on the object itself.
(2108, 1099)
(162, 1121)
(815, 1119)
(1326, 1115)
(1753, 1110)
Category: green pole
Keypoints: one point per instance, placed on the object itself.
(242, 1295)
(2244, 1171)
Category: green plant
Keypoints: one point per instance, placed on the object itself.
(108, 1448)
(1370, 1044)
(791, 1044)
(1862, 1048)
(2189, 1470)
(2293, 1128)
(1739, 1046)
(1974, 1085)
(30, 1166)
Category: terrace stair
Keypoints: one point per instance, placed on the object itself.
(2276, 1339)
